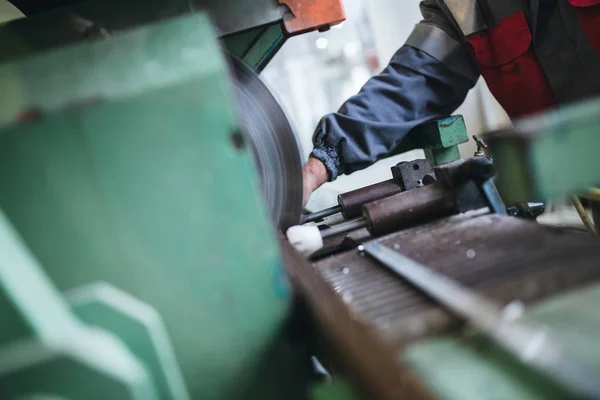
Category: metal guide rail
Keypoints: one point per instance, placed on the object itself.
(531, 344)
(502, 259)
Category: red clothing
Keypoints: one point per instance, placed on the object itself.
(534, 55)
(507, 60)
(588, 12)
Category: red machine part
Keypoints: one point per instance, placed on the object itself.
(309, 15)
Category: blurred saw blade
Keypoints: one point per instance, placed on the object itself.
(275, 146)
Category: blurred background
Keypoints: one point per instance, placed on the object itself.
(314, 73)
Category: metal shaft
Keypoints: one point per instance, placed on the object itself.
(530, 343)
(321, 214)
(405, 209)
(351, 203)
(344, 228)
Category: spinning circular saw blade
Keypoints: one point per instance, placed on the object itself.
(276, 149)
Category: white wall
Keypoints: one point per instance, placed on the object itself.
(392, 21)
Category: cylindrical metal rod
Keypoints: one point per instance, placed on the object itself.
(399, 211)
(405, 209)
(319, 215)
(344, 227)
(533, 345)
(352, 202)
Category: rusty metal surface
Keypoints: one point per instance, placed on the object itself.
(340, 244)
(352, 347)
(307, 15)
(406, 209)
(504, 258)
(352, 202)
(515, 335)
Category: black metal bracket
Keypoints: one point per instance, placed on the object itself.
(472, 181)
(413, 174)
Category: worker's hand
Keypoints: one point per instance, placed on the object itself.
(314, 175)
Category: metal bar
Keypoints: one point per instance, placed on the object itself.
(583, 214)
(352, 202)
(409, 208)
(491, 195)
(319, 215)
(344, 228)
(528, 342)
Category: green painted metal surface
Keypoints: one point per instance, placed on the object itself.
(138, 326)
(29, 306)
(513, 180)
(65, 25)
(566, 156)
(339, 389)
(80, 20)
(550, 155)
(44, 348)
(442, 156)
(253, 36)
(441, 134)
(439, 139)
(126, 173)
(453, 131)
(257, 46)
(470, 367)
(86, 364)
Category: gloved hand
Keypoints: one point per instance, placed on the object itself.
(314, 175)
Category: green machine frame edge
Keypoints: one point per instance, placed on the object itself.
(550, 155)
(117, 168)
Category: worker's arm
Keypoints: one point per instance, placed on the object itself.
(428, 78)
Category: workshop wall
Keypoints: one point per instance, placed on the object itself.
(315, 73)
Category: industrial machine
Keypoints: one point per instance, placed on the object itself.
(147, 177)
(429, 287)
(123, 149)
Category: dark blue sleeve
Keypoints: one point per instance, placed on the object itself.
(413, 89)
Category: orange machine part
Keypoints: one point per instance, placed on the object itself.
(309, 15)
